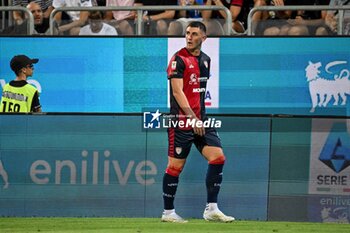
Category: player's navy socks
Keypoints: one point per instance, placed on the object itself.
(169, 190)
(213, 182)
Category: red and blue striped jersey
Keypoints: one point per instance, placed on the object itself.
(195, 71)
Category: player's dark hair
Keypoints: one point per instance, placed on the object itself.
(197, 24)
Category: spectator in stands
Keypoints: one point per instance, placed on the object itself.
(122, 20)
(332, 17)
(273, 23)
(215, 20)
(99, 2)
(310, 22)
(157, 22)
(16, 29)
(71, 22)
(41, 24)
(258, 15)
(97, 27)
(46, 6)
(178, 27)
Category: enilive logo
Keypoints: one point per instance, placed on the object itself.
(91, 168)
(322, 89)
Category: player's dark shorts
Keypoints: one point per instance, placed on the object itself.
(180, 141)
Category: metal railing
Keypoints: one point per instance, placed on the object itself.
(6, 20)
(140, 10)
(340, 16)
(3, 16)
(30, 24)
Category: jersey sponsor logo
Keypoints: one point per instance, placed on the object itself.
(193, 79)
(331, 85)
(198, 90)
(202, 79)
(191, 66)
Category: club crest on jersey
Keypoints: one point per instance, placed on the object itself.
(173, 65)
(178, 150)
(206, 64)
(193, 79)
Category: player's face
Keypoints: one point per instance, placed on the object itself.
(194, 39)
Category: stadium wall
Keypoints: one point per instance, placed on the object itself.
(90, 156)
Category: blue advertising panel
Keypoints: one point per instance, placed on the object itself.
(107, 165)
(61, 165)
(307, 76)
(73, 74)
(329, 185)
(285, 75)
(73, 166)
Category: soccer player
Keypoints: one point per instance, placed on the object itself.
(188, 72)
(18, 95)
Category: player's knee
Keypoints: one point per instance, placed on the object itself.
(219, 160)
(173, 171)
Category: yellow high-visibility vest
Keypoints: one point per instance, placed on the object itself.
(17, 99)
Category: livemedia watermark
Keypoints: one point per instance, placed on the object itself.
(158, 120)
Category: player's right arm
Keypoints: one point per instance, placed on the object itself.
(181, 99)
(175, 74)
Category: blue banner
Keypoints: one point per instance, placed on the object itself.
(73, 74)
(60, 165)
(307, 76)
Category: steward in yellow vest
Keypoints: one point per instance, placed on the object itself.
(18, 95)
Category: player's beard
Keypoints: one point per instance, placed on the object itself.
(194, 49)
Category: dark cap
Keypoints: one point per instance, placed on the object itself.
(20, 61)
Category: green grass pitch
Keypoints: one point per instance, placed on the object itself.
(154, 225)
